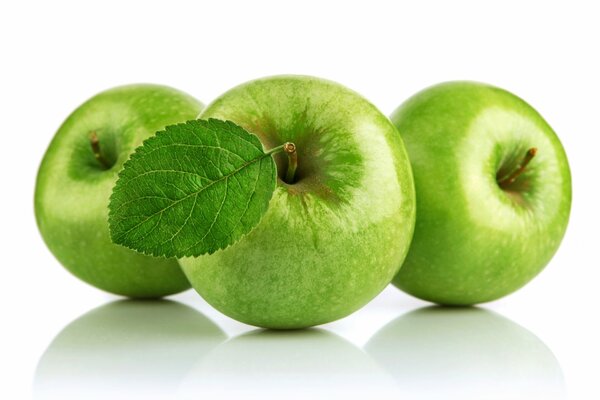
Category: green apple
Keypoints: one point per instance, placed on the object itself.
(493, 193)
(75, 181)
(125, 349)
(335, 232)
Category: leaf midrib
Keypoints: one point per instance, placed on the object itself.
(224, 177)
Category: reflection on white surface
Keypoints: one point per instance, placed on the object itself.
(466, 353)
(125, 350)
(166, 350)
(307, 364)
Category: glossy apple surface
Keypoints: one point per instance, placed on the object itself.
(334, 237)
(73, 188)
(480, 236)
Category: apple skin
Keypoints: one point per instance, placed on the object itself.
(73, 189)
(335, 238)
(475, 241)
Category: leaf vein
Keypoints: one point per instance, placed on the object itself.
(224, 177)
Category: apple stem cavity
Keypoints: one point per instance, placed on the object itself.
(512, 177)
(95, 143)
(290, 149)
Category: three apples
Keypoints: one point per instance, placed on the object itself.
(489, 202)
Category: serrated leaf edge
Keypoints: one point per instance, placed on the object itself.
(139, 152)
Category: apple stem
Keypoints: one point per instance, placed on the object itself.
(504, 182)
(95, 143)
(290, 149)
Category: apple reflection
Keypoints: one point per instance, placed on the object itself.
(125, 349)
(466, 353)
(303, 364)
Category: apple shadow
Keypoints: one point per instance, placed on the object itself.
(125, 349)
(302, 364)
(466, 353)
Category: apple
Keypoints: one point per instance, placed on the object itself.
(125, 349)
(465, 353)
(336, 231)
(76, 178)
(493, 193)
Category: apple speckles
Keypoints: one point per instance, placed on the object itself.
(333, 239)
(477, 240)
(72, 195)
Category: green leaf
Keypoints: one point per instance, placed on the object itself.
(192, 189)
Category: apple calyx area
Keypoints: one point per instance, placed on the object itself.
(95, 143)
(509, 179)
(288, 148)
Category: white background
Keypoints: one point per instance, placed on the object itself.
(56, 54)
